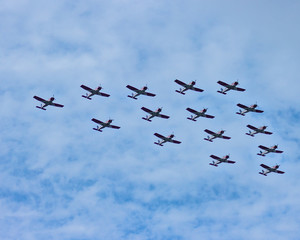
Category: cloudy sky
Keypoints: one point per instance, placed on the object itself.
(59, 179)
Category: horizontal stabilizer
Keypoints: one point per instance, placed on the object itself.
(132, 97)
(222, 92)
(40, 107)
(147, 119)
(86, 97)
(180, 92)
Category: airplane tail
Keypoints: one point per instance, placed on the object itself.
(221, 91)
(191, 118)
(158, 143)
(180, 91)
(147, 119)
(261, 154)
(263, 173)
(213, 164)
(132, 96)
(97, 129)
(41, 108)
(208, 139)
(86, 97)
(240, 113)
(250, 134)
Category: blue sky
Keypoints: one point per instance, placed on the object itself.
(59, 179)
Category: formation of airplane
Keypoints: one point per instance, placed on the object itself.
(165, 139)
(268, 150)
(251, 108)
(229, 87)
(220, 160)
(215, 135)
(187, 87)
(139, 92)
(93, 92)
(46, 103)
(257, 130)
(270, 169)
(198, 114)
(153, 114)
(104, 124)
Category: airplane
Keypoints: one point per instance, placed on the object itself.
(215, 135)
(257, 130)
(268, 150)
(93, 92)
(187, 87)
(198, 114)
(248, 109)
(165, 139)
(220, 160)
(153, 114)
(47, 102)
(139, 92)
(104, 124)
(228, 87)
(270, 169)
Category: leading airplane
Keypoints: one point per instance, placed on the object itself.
(215, 135)
(251, 108)
(220, 160)
(268, 150)
(198, 114)
(257, 130)
(187, 87)
(104, 124)
(153, 114)
(93, 92)
(270, 169)
(228, 87)
(165, 139)
(47, 103)
(139, 92)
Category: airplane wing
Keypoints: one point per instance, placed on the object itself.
(160, 136)
(86, 88)
(225, 137)
(39, 99)
(228, 161)
(192, 110)
(113, 126)
(242, 106)
(57, 105)
(223, 84)
(103, 94)
(198, 89)
(263, 147)
(251, 127)
(175, 141)
(269, 133)
(180, 83)
(147, 110)
(149, 94)
(258, 111)
(279, 151)
(209, 132)
(215, 157)
(264, 166)
(132, 88)
(208, 116)
(163, 116)
(240, 89)
(280, 172)
(97, 121)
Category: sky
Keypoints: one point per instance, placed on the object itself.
(59, 179)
